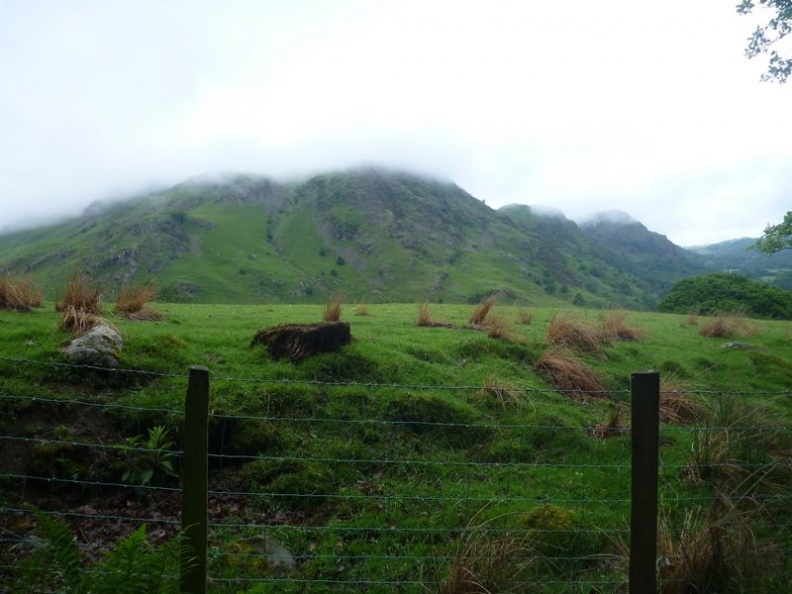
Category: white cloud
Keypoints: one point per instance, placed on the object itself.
(580, 105)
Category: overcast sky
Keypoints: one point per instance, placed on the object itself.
(649, 108)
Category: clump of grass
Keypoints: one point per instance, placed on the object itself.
(479, 314)
(488, 561)
(614, 425)
(524, 317)
(571, 333)
(332, 310)
(424, 319)
(614, 327)
(81, 296)
(362, 310)
(566, 373)
(727, 327)
(692, 318)
(733, 449)
(79, 321)
(501, 393)
(716, 549)
(18, 294)
(678, 404)
(132, 302)
(499, 328)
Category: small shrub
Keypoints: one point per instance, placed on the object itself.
(571, 333)
(567, 374)
(149, 459)
(362, 310)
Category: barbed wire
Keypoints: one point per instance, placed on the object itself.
(106, 405)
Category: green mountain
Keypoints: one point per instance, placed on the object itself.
(365, 234)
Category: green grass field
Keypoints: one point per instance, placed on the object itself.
(416, 455)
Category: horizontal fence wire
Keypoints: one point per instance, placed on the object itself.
(391, 521)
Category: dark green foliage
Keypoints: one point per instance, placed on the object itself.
(778, 237)
(131, 567)
(728, 293)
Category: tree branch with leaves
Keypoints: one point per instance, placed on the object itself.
(765, 39)
(777, 237)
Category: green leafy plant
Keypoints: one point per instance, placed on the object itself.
(133, 565)
(149, 457)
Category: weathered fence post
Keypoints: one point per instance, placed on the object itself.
(195, 483)
(645, 420)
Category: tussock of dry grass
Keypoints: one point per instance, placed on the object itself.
(715, 549)
(132, 303)
(424, 319)
(18, 294)
(479, 314)
(614, 425)
(568, 374)
(614, 327)
(487, 562)
(678, 404)
(81, 296)
(692, 319)
(524, 317)
(78, 321)
(572, 333)
(502, 394)
(499, 328)
(362, 310)
(727, 327)
(332, 310)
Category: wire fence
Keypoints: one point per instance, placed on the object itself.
(345, 487)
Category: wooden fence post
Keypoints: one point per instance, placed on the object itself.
(195, 483)
(645, 420)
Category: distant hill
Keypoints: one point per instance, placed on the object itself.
(366, 234)
(738, 256)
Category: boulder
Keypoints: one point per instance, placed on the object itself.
(100, 346)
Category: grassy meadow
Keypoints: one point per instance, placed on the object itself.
(444, 457)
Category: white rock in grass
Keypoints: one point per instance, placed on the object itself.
(99, 346)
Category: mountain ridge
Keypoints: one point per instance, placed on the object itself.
(369, 234)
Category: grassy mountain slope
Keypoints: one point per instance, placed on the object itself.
(738, 256)
(648, 257)
(365, 234)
